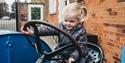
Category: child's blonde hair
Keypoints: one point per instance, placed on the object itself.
(74, 10)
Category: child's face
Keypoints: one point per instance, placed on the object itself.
(71, 23)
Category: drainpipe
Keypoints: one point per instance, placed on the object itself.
(17, 14)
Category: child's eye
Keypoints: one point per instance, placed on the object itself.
(71, 21)
(65, 20)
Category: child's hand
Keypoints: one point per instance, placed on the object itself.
(71, 60)
(28, 32)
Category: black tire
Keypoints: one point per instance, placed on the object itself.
(95, 53)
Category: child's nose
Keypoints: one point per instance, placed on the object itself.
(68, 23)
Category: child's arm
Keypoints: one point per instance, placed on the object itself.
(82, 40)
(45, 31)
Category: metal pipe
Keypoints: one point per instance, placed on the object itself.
(17, 18)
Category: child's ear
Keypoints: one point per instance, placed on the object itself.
(84, 9)
(84, 13)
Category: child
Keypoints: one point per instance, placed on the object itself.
(72, 24)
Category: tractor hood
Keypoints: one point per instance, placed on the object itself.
(4, 32)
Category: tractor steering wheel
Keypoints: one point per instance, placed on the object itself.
(46, 55)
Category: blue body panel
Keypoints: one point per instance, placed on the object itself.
(123, 55)
(15, 48)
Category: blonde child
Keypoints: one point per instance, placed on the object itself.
(72, 24)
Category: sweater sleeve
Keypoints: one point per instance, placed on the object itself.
(82, 40)
(46, 31)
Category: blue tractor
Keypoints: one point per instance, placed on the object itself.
(16, 47)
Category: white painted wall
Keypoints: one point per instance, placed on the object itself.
(52, 6)
(60, 8)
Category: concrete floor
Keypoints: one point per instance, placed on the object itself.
(50, 40)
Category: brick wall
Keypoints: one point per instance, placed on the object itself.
(53, 18)
(107, 20)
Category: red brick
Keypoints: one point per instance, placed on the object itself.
(109, 27)
(118, 59)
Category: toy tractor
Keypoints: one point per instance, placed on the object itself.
(16, 47)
